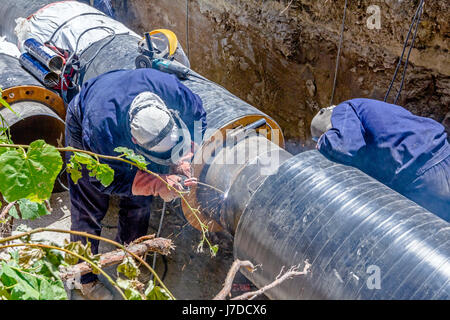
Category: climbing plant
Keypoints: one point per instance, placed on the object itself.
(29, 269)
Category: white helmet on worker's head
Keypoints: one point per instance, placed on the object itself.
(321, 123)
(152, 124)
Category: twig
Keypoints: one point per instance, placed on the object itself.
(292, 272)
(6, 227)
(87, 235)
(230, 278)
(160, 245)
(37, 245)
(6, 209)
(204, 228)
(287, 7)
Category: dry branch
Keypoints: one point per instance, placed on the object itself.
(160, 245)
(292, 272)
(230, 277)
(6, 226)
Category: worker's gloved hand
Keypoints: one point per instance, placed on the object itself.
(145, 184)
(183, 166)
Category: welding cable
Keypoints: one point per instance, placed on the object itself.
(341, 38)
(187, 30)
(72, 56)
(69, 20)
(158, 234)
(416, 17)
(409, 53)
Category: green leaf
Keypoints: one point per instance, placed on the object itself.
(52, 290)
(4, 294)
(29, 255)
(129, 289)
(82, 250)
(76, 247)
(132, 156)
(29, 175)
(156, 293)
(129, 268)
(24, 287)
(29, 210)
(214, 249)
(4, 103)
(4, 139)
(55, 258)
(24, 284)
(102, 172)
(13, 212)
(74, 169)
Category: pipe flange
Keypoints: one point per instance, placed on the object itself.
(207, 151)
(39, 94)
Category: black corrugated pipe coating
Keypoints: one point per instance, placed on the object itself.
(350, 227)
(222, 107)
(12, 74)
(237, 169)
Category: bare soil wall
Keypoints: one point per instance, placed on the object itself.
(280, 55)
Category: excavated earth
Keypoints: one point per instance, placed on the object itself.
(280, 55)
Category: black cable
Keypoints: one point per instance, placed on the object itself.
(419, 9)
(187, 30)
(68, 20)
(166, 268)
(409, 52)
(69, 60)
(88, 64)
(339, 53)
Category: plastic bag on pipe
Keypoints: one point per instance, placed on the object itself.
(22, 30)
(46, 21)
(9, 48)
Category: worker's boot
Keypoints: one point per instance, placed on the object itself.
(95, 291)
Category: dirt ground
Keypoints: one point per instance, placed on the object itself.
(279, 55)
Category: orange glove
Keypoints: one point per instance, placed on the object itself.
(145, 184)
(183, 167)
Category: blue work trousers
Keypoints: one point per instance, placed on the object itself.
(431, 189)
(89, 205)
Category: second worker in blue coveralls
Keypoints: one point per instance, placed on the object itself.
(406, 152)
(147, 111)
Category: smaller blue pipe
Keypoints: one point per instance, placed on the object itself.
(36, 68)
(42, 53)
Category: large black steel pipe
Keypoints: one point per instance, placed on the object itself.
(350, 227)
(364, 240)
(39, 111)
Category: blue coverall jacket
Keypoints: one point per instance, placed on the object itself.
(406, 152)
(97, 120)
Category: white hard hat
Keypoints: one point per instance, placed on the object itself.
(151, 123)
(321, 122)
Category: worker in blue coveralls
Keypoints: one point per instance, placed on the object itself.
(406, 152)
(103, 5)
(149, 112)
